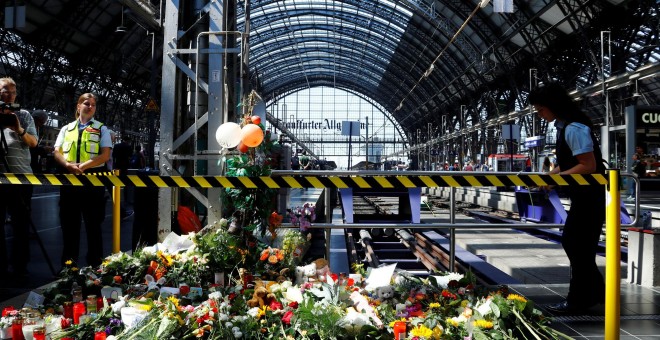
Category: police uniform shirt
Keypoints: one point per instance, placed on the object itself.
(18, 153)
(106, 140)
(577, 136)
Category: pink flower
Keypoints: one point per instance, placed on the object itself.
(287, 317)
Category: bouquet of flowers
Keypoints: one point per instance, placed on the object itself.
(302, 217)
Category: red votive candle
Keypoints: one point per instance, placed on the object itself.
(39, 333)
(17, 329)
(100, 335)
(399, 330)
(68, 309)
(78, 310)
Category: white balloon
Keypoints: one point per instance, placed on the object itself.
(228, 135)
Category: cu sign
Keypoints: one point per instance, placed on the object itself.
(650, 117)
(647, 117)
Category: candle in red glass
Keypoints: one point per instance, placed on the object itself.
(100, 335)
(78, 310)
(39, 333)
(99, 303)
(399, 330)
(68, 309)
(17, 329)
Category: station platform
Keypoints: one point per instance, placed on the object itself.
(540, 265)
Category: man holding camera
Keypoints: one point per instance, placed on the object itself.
(18, 136)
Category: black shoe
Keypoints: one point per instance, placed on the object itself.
(565, 308)
(127, 214)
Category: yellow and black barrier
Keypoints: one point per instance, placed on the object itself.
(303, 181)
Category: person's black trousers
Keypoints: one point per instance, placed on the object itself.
(580, 241)
(17, 201)
(79, 204)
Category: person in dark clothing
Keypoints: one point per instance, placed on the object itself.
(577, 153)
(121, 157)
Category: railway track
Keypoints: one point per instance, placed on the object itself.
(424, 252)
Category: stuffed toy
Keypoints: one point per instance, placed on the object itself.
(322, 269)
(261, 296)
(384, 293)
(304, 273)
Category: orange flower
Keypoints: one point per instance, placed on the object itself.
(279, 254)
(275, 219)
(264, 254)
(272, 259)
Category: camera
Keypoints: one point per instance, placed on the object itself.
(5, 119)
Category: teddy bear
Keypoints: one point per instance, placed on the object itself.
(303, 273)
(322, 269)
(384, 293)
(261, 296)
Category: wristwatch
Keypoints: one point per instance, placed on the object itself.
(23, 133)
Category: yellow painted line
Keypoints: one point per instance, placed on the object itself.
(53, 180)
(315, 182)
(73, 179)
(430, 183)
(494, 180)
(181, 183)
(116, 182)
(580, 179)
(95, 180)
(473, 181)
(269, 182)
(136, 180)
(451, 181)
(516, 180)
(360, 182)
(383, 182)
(406, 182)
(158, 181)
(293, 183)
(537, 180)
(338, 182)
(33, 179)
(12, 178)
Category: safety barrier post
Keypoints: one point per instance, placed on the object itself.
(613, 257)
(328, 219)
(116, 216)
(452, 231)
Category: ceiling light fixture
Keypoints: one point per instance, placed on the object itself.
(121, 28)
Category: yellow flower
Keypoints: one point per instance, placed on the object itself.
(464, 303)
(68, 262)
(421, 331)
(483, 324)
(437, 332)
(516, 297)
(174, 300)
(74, 269)
(452, 322)
(402, 319)
(434, 305)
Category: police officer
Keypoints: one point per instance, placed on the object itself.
(83, 146)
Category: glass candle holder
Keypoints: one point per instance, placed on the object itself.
(17, 329)
(399, 329)
(78, 310)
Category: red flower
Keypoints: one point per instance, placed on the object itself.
(350, 282)
(232, 296)
(334, 277)
(65, 323)
(275, 305)
(293, 304)
(117, 279)
(287, 317)
(6, 310)
(184, 290)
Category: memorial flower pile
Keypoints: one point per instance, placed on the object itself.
(337, 306)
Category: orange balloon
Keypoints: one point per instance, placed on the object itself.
(242, 147)
(252, 135)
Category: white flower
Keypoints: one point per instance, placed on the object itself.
(215, 295)
(238, 335)
(228, 324)
(353, 321)
(235, 329)
(274, 288)
(223, 317)
(484, 308)
(286, 284)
